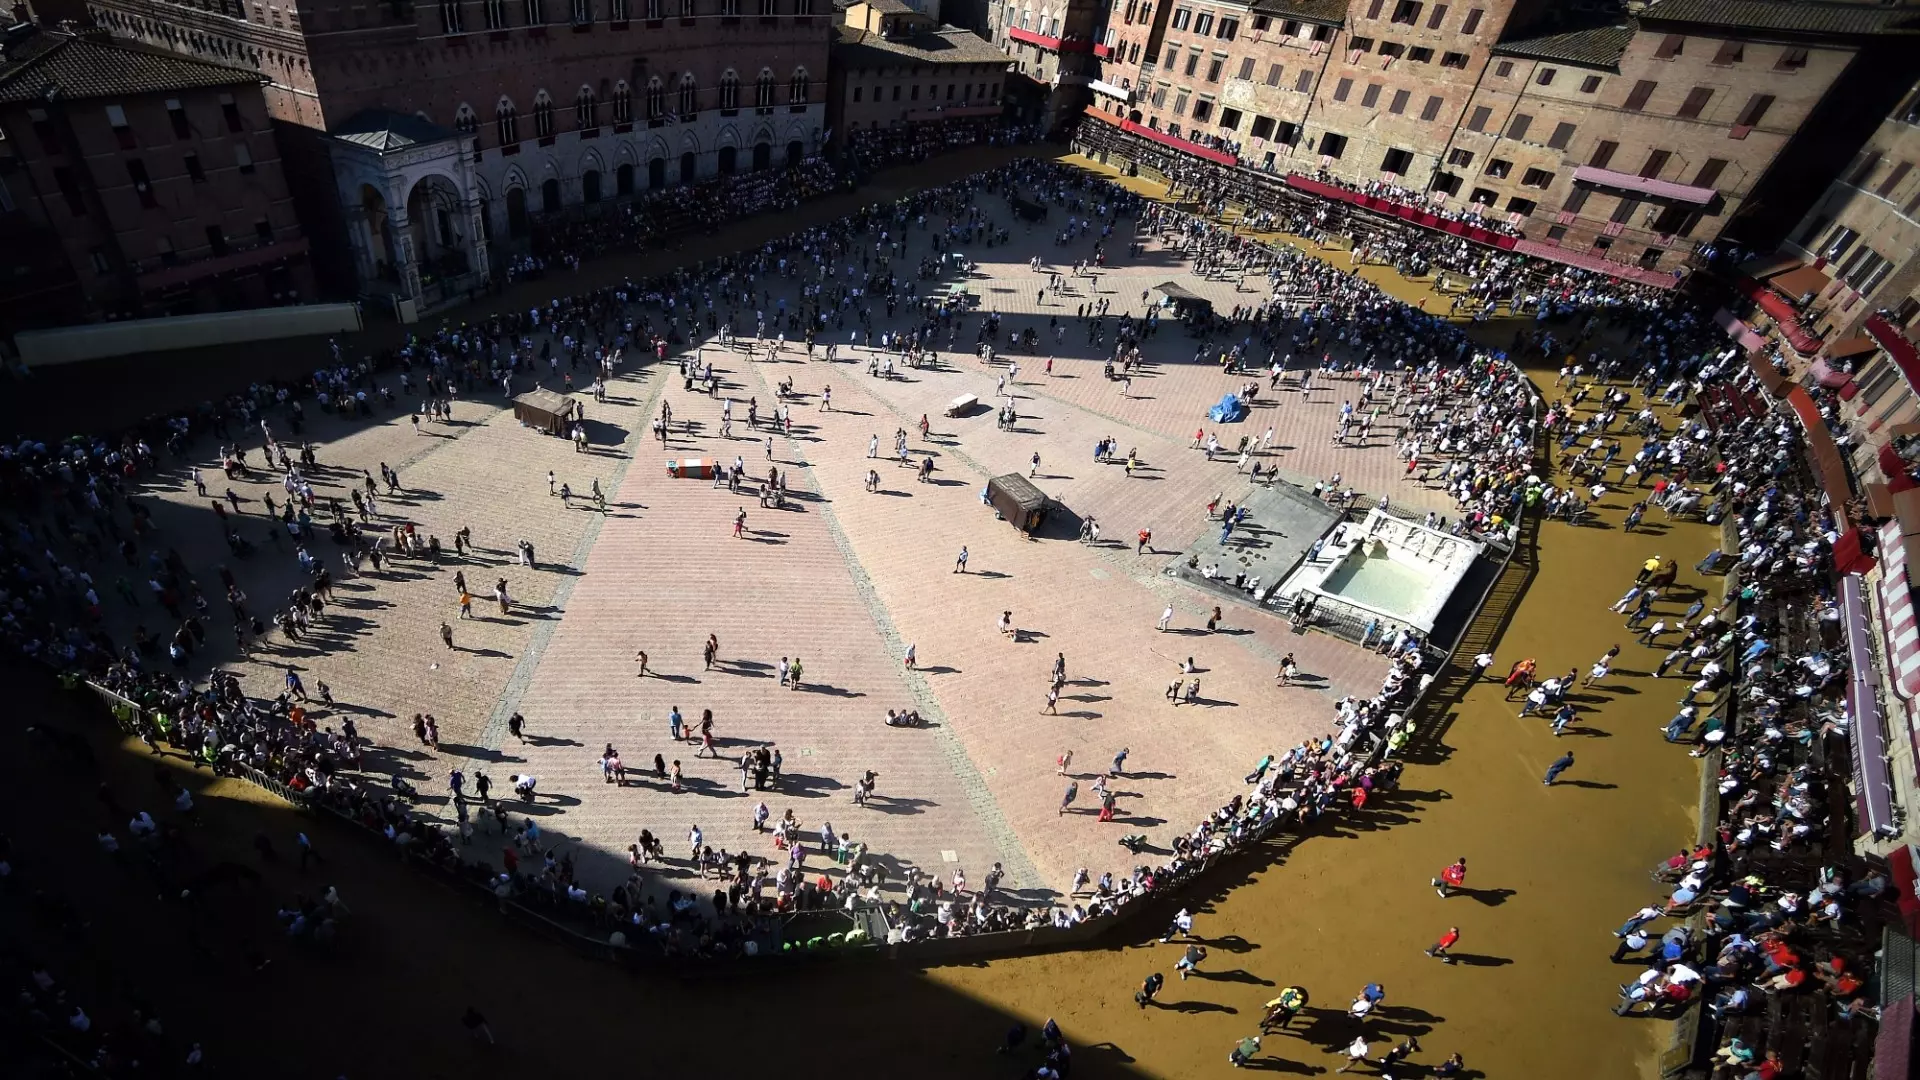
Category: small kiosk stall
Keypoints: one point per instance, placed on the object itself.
(1185, 302)
(1019, 502)
(547, 411)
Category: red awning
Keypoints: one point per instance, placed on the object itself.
(1823, 455)
(1177, 143)
(1826, 376)
(1799, 282)
(1783, 314)
(1901, 863)
(1905, 357)
(1664, 189)
(1599, 264)
(1419, 215)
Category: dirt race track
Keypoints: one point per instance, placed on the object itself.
(1552, 871)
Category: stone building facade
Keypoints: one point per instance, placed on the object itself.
(1596, 133)
(137, 182)
(1864, 233)
(891, 64)
(503, 109)
(1051, 43)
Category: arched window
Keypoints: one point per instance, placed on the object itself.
(542, 115)
(506, 124)
(690, 96)
(622, 103)
(729, 91)
(763, 89)
(464, 121)
(800, 88)
(656, 99)
(586, 111)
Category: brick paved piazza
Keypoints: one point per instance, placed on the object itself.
(844, 579)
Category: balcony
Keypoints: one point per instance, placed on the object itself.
(1104, 52)
(169, 277)
(1070, 44)
(1188, 146)
(1659, 189)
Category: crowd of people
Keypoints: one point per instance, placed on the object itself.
(1770, 926)
(277, 739)
(1468, 423)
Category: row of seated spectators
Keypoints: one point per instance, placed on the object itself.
(1267, 203)
(1776, 920)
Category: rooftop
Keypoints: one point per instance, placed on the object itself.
(889, 7)
(90, 64)
(1591, 46)
(1322, 12)
(857, 48)
(385, 129)
(1796, 16)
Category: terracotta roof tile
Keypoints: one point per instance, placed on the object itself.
(92, 65)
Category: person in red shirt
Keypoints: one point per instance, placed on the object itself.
(1451, 878)
(1438, 950)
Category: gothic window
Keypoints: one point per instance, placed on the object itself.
(506, 123)
(542, 115)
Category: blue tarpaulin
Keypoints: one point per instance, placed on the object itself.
(1229, 411)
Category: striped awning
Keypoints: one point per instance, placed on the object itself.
(1896, 603)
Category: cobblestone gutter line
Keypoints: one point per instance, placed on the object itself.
(1013, 854)
(516, 688)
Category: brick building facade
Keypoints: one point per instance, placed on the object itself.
(1863, 236)
(892, 64)
(476, 114)
(134, 181)
(1595, 133)
(1051, 43)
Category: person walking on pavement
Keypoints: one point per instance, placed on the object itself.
(1451, 878)
(1166, 619)
(1244, 1052)
(1438, 950)
(960, 564)
(1560, 765)
(1120, 762)
(1073, 792)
